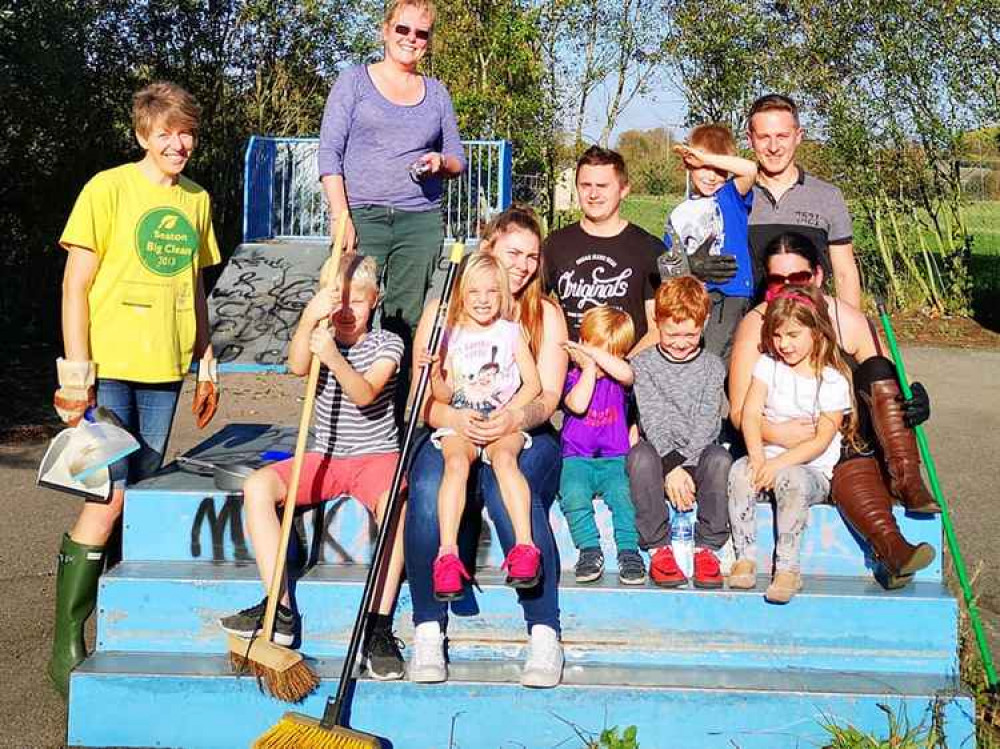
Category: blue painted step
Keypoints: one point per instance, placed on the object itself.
(177, 516)
(833, 624)
(194, 702)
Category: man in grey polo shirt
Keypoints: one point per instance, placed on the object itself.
(786, 198)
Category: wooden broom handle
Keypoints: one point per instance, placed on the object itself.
(288, 512)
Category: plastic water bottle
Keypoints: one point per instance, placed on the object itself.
(682, 540)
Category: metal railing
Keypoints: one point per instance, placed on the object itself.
(283, 197)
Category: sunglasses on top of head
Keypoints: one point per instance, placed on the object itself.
(798, 278)
(403, 30)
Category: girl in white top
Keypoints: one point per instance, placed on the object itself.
(800, 376)
(485, 364)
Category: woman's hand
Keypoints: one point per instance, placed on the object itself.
(321, 306)
(433, 161)
(321, 344)
(350, 236)
(679, 487)
(482, 430)
(423, 357)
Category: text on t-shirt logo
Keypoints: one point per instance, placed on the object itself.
(809, 218)
(598, 288)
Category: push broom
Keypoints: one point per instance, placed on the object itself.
(949, 530)
(297, 731)
(280, 671)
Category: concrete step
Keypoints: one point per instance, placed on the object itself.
(177, 516)
(142, 700)
(835, 623)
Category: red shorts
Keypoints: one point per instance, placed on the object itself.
(364, 477)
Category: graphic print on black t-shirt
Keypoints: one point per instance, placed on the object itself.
(586, 272)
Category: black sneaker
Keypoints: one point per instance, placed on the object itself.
(382, 657)
(590, 565)
(631, 568)
(249, 621)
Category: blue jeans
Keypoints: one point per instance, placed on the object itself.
(540, 465)
(147, 411)
(582, 479)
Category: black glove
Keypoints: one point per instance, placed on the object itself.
(711, 268)
(917, 409)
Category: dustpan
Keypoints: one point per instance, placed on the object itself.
(77, 459)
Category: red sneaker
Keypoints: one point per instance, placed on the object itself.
(524, 566)
(447, 576)
(707, 573)
(663, 569)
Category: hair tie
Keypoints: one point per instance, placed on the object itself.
(785, 293)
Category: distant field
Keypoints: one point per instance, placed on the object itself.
(650, 212)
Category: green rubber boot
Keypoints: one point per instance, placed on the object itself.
(76, 595)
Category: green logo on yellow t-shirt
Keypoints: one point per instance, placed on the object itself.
(166, 241)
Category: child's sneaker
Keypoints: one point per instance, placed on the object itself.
(447, 576)
(524, 566)
(743, 575)
(428, 665)
(783, 587)
(707, 572)
(249, 622)
(382, 657)
(590, 565)
(631, 568)
(664, 571)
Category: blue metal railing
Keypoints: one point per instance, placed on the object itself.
(283, 197)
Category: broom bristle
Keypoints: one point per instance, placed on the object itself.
(290, 685)
(296, 731)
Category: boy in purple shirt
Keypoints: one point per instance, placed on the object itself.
(595, 443)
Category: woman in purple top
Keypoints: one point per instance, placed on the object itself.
(388, 141)
(595, 444)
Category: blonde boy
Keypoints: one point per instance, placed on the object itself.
(711, 226)
(355, 452)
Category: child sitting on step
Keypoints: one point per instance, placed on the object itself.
(484, 364)
(799, 375)
(679, 391)
(595, 442)
(354, 454)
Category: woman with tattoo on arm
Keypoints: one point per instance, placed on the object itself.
(513, 238)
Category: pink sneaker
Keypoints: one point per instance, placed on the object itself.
(448, 574)
(523, 565)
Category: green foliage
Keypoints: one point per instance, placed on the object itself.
(654, 169)
(901, 734)
(615, 738)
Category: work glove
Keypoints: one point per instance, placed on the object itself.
(916, 409)
(711, 268)
(206, 392)
(76, 389)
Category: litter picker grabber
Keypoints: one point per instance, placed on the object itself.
(949, 530)
(282, 672)
(297, 731)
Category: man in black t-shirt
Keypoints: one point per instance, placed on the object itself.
(603, 259)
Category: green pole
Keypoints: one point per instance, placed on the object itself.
(949, 529)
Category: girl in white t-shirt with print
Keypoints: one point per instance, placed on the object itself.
(800, 375)
(485, 364)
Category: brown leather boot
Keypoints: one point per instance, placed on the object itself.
(859, 492)
(899, 445)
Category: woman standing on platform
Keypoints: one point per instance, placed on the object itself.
(513, 238)
(388, 141)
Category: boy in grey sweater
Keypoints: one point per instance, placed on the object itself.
(679, 389)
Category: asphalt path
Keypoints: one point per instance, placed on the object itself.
(963, 435)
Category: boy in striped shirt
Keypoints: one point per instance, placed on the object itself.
(355, 450)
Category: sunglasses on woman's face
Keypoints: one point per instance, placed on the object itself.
(798, 278)
(403, 30)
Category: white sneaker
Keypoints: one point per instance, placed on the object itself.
(427, 664)
(544, 665)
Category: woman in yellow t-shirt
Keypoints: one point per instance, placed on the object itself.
(134, 317)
